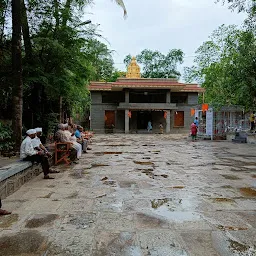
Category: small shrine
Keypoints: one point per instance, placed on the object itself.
(133, 70)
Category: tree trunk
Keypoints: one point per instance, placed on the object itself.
(66, 13)
(25, 32)
(17, 73)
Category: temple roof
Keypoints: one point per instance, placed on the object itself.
(145, 83)
(133, 80)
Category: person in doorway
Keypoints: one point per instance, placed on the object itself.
(3, 212)
(161, 127)
(193, 130)
(28, 153)
(149, 128)
(252, 120)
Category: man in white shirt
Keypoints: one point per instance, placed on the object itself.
(38, 146)
(28, 153)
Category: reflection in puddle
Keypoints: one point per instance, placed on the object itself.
(156, 203)
(174, 209)
(165, 212)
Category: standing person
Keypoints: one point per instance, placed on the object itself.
(252, 120)
(196, 121)
(28, 153)
(149, 128)
(193, 130)
(161, 128)
(3, 212)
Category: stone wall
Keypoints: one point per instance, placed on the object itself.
(12, 183)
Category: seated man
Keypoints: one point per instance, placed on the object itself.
(28, 153)
(3, 212)
(61, 136)
(37, 145)
(80, 139)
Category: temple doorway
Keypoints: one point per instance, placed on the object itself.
(142, 119)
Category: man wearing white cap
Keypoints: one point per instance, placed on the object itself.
(28, 153)
(36, 142)
(38, 146)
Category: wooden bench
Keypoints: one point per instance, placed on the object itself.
(62, 152)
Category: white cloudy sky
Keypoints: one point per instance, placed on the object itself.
(159, 25)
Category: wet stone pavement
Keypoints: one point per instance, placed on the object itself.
(139, 195)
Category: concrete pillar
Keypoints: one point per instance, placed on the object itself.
(168, 97)
(126, 118)
(168, 121)
(127, 96)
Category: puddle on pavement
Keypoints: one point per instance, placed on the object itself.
(25, 243)
(177, 216)
(237, 247)
(162, 175)
(41, 220)
(117, 145)
(230, 177)
(248, 192)
(98, 165)
(7, 220)
(82, 220)
(111, 183)
(178, 187)
(223, 200)
(226, 186)
(47, 196)
(107, 153)
(143, 163)
(72, 196)
(224, 228)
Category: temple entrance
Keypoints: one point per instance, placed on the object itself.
(142, 119)
(109, 120)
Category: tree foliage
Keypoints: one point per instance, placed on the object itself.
(60, 55)
(158, 65)
(226, 66)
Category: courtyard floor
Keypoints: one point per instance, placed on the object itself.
(139, 195)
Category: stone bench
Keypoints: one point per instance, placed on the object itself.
(14, 175)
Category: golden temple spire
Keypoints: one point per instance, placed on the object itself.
(133, 70)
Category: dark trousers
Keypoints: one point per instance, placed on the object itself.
(73, 154)
(84, 145)
(252, 126)
(43, 160)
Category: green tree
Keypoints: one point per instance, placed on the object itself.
(157, 65)
(226, 67)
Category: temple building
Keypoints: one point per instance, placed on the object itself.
(128, 104)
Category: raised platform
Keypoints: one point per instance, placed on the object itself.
(14, 175)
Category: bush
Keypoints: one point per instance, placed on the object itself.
(6, 142)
